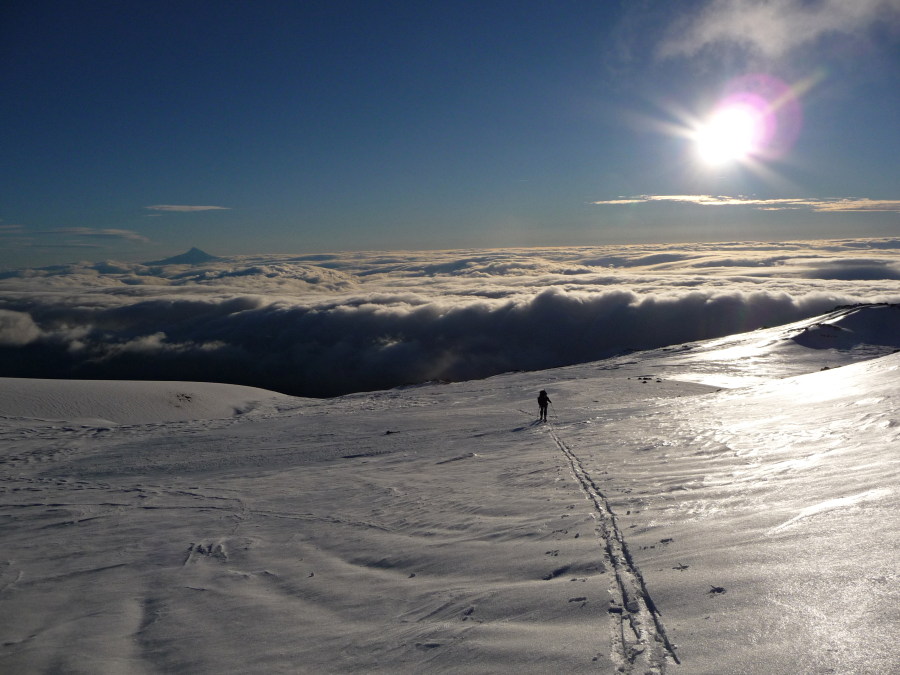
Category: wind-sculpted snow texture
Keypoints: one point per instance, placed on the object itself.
(327, 324)
(638, 637)
(658, 523)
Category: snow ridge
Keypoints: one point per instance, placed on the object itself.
(639, 639)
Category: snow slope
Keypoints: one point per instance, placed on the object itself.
(126, 402)
(658, 523)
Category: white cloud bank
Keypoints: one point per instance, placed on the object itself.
(330, 324)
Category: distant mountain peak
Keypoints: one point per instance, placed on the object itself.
(192, 257)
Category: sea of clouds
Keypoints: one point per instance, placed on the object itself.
(323, 325)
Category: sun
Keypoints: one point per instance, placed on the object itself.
(751, 124)
(733, 133)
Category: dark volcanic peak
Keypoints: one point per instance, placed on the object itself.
(193, 257)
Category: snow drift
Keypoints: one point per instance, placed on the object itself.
(125, 402)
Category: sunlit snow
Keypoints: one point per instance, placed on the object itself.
(658, 523)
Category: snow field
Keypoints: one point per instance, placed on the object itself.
(656, 524)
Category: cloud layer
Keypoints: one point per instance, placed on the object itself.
(185, 208)
(97, 233)
(772, 29)
(330, 324)
(834, 205)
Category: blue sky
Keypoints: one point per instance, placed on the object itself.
(317, 126)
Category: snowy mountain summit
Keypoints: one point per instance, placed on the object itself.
(852, 327)
(194, 256)
(727, 506)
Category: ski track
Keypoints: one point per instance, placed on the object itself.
(639, 640)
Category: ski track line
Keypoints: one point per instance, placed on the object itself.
(639, 640)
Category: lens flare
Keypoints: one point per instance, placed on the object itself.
(757, 119)
(732, 133)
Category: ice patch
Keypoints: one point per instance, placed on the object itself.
(832, 504)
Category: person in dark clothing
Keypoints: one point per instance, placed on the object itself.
(543, 402)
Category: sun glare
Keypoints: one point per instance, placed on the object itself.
(731, 134)
(756, 120)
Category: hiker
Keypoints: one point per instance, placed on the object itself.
(543, 402)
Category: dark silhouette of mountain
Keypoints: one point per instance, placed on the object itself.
(193, 257)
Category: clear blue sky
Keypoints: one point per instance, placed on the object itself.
(333, 125)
